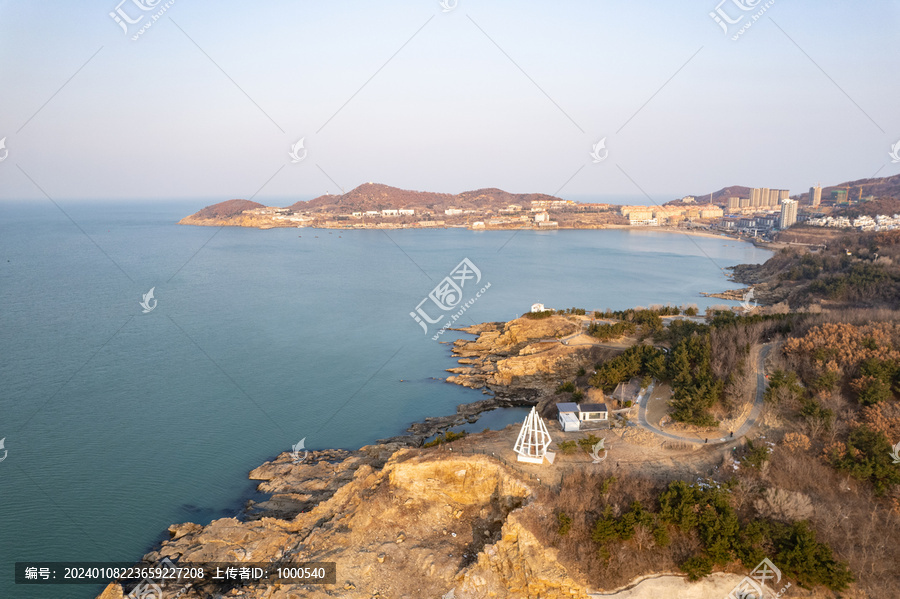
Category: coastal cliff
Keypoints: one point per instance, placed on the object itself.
(400, 522)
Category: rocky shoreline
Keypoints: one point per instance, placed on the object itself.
(403, 521)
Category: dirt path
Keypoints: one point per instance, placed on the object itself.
(760, 360)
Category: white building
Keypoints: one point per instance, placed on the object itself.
(541, 217)
(406, 212)
(390, 212)
(568, 417)
(453, 211)
(537, 307)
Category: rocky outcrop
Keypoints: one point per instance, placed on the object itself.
(523, 360)
(405, 525)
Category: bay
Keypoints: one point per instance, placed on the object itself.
(119, 423)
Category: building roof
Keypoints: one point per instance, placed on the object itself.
(567, 407)
(568, 417)
(592, 407)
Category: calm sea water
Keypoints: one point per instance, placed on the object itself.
(119, 423)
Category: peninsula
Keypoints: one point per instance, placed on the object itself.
(729, 438)
(754, 213)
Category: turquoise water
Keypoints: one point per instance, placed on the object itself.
(120, 423)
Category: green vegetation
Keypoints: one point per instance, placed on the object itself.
(783, 386)
(756, 455)
(587, 443)
(565, 523)
(567, 387)
(538, 315)
(867, 456)
(862, 269)
(447, 437)
(878, 380)
(567, 447)
(695, 389)
(606, 332)
(634, 361)
(708, 511)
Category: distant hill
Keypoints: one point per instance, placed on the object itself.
(375, 196)
(882, 205)
(721, 196)
(882, 187)
(227, 209)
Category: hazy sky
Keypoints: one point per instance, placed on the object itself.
(207, 102)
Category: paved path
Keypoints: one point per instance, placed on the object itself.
(744, 428)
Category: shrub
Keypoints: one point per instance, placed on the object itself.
(810, 562)
(447, 437)
(567, 447)
(697, 567)
(756, 455)
(538, 315)
(567, 387)
(565, 523)
(587, 443)
(867, 456)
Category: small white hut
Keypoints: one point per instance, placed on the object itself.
(533, 441)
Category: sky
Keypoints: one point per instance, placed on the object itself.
(208, 102)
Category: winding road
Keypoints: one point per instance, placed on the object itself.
(744, 428)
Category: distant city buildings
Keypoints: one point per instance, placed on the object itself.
(881, 222)
(763, 196)
(541, 205)
(669, 213)
(788, 214)
(815, 196)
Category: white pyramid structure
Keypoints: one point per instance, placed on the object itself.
(533, 440)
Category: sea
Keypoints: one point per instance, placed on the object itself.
(123, 412)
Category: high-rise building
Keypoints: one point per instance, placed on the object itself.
(784, 194)
(839, 195)
(755, 196)
(815, 196)
(764, 196)
(744, 202)
(788, 214)
(733, 203)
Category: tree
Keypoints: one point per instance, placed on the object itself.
(800, 556)
(867, 456)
